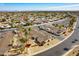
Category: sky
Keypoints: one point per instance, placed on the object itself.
(38, 6)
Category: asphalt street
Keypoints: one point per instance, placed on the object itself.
(55, 51)
(68, 43)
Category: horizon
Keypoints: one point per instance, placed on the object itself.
(39, 7)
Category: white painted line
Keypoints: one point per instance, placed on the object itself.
(53, 45)
(57, 43)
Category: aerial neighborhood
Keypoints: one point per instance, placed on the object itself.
(29, 33)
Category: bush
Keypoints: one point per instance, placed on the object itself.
(22, 40)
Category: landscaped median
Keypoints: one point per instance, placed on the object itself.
(74, 51)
